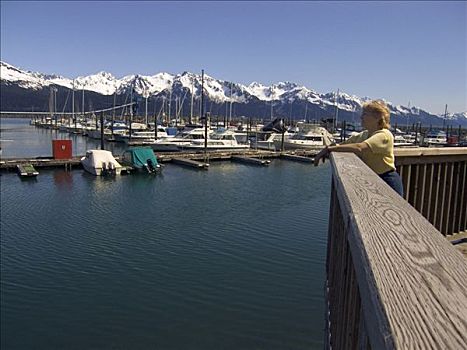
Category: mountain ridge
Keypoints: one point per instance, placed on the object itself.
(288, 99)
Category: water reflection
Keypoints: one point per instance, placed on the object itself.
(99, 184)
(28, 180)
(29, 141)
(63, 179)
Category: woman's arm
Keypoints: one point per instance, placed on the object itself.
(357, 148)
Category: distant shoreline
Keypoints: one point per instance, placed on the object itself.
(15, 116)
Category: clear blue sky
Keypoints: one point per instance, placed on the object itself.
(400, 51)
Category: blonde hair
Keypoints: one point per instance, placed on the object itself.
(380, 110)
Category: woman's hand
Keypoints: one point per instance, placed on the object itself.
(322, 154)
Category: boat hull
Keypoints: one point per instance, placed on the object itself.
(98, 171)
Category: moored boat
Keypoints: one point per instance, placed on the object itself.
(435, 138)
(312, 138)
(269, 140)
(100, 162)
(141, 159)
(224, 140)
(173, 144)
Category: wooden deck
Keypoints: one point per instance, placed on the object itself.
(393, 280)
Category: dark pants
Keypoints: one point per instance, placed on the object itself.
(394, 181)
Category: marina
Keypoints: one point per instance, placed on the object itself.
(140, 260)
(434, 179)
(50, 162)
(233, 175)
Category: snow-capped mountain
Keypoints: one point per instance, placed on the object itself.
(287, 98)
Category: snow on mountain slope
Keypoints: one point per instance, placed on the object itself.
(26, 79)
(216, 90)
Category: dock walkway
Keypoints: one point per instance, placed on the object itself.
(8, 164)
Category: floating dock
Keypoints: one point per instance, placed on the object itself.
(261, 156)
(26, 170)
(191, 163)
(297, 158)
(250, 160)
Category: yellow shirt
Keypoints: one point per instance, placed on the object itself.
(380, 157)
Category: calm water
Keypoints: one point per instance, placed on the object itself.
(229, 258)
(21, 140)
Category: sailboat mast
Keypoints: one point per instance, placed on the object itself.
(408, 116)
(202, 110)
(201, 103)
(170, 102)
(192, 96)
(82, 107)
(51, 102)
(113, 113)
(131, 110)
(445, 115)
(55, 105)
(230, 108)
(272, 103)
(73, 104)
(146, 112)
(337, 109)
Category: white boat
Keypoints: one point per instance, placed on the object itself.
(313, 138)
(173, 144)
(138, 126)
(119, 128)
(269, 140)
(435, 138)
(402, 141)
(141, 137)
(344, 134)
(75, 128)
(412, 137)
(225, 140)
(100, 162)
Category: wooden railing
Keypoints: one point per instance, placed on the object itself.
(393, 281)
(435, 183)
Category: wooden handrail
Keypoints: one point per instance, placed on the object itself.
(393, 281)
(435, 183)
(430, 151)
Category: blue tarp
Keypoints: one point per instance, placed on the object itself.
(140, 155)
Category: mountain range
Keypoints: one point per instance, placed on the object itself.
(179, 94)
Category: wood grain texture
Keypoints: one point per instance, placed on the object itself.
(343, 323)
(411, 281)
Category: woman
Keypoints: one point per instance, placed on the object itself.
(375, 145)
